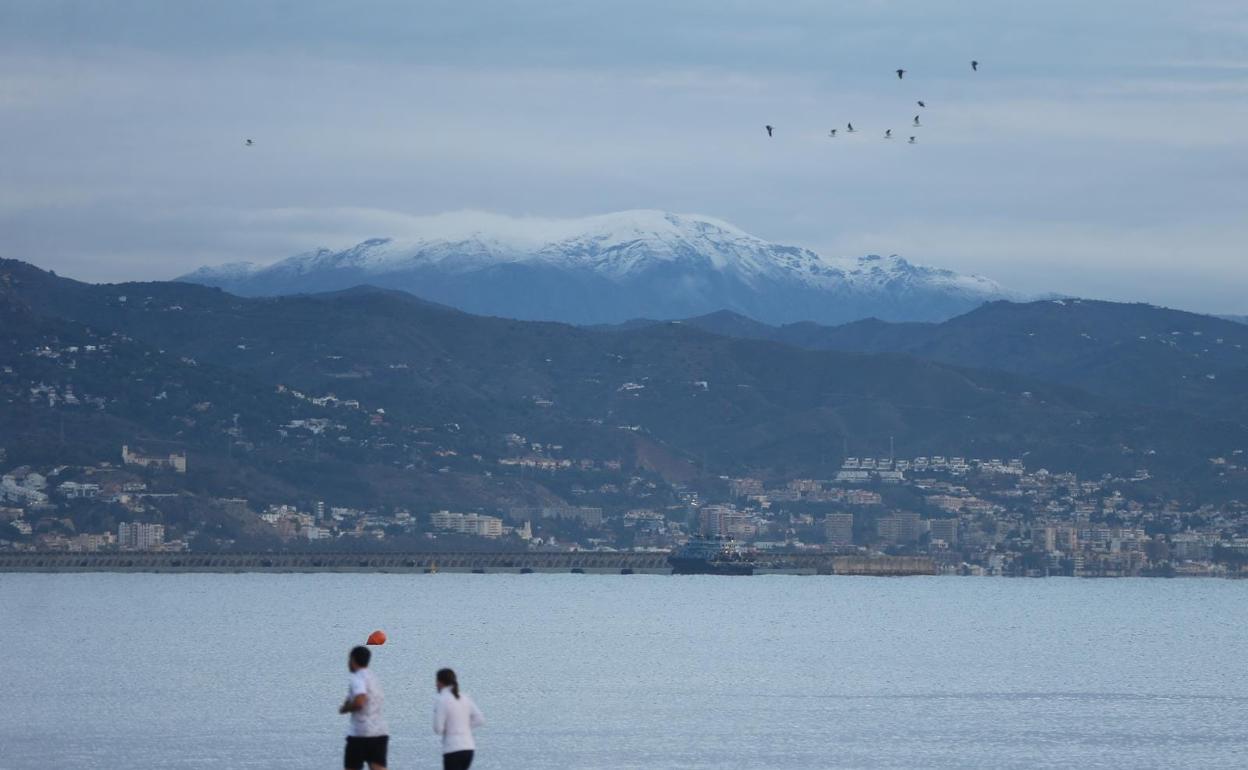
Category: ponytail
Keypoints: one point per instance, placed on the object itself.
(446, 677)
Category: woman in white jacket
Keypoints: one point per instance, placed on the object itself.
(454, 717)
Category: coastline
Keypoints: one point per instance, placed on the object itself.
(520, 562)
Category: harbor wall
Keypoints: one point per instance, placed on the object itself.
(589, 562)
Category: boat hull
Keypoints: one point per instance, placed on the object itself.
(704, 567)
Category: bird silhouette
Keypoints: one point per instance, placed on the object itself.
(769, 129)
(832, 133)
(916, 120)
(912, 140)
(849, 128)
(888, 134)
(974, 66)
(248, 143)
(921, 104)
(900, 74)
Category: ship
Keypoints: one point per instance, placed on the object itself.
(711, 556)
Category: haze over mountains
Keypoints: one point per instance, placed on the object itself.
(616, 267)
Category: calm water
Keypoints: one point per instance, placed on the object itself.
(583, 671)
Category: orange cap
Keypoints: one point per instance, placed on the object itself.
(377, 637)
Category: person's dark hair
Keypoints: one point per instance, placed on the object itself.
(360, 656)
(447, 678)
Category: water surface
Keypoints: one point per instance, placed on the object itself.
(587, 671)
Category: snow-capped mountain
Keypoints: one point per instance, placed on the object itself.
(615, 267)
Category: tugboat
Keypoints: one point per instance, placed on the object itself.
(711, 556)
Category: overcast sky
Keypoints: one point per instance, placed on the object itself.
(1101, 150)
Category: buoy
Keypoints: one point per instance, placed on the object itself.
(377, 637)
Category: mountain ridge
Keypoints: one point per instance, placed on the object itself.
(612, 267)
(1131, 351)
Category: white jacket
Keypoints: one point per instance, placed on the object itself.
(454, 718)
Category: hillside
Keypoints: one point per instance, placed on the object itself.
(703, 404)
(74, 393)
(1130, 352)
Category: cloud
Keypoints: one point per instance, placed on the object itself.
(1096, 140)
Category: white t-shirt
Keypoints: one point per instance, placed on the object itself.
(454, 718)
(367, 722)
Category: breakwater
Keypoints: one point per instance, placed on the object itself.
(595, 562)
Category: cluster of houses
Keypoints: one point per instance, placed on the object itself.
(995, 517)
(968, 515)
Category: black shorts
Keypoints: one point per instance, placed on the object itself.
(457, 760)
(360, 750)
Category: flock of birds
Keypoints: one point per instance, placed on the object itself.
(888, 133)
(849, 128)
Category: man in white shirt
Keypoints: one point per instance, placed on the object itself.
(367, 739)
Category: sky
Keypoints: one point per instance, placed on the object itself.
(1101, 150)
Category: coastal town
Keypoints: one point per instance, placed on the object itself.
(968, 516)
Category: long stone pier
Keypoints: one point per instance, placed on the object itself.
(589, 562)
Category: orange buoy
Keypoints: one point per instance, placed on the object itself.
(377, 637)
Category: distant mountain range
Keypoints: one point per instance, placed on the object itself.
(610, 268)
(1129, 352)
(424, 397)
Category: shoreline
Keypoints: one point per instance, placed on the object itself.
(524, 562)
(513, 563)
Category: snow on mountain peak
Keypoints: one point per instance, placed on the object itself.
(660, 262)
(227, 271)
(610, 243)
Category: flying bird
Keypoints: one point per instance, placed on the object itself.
(888, 133)
(900, 74)
(921, 104)
(974, 66)
(248, 143)
(769, 129)
(916, 120)
(849, 128)
(912, 140)
(832, 133)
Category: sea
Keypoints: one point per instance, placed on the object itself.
(628, 671)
